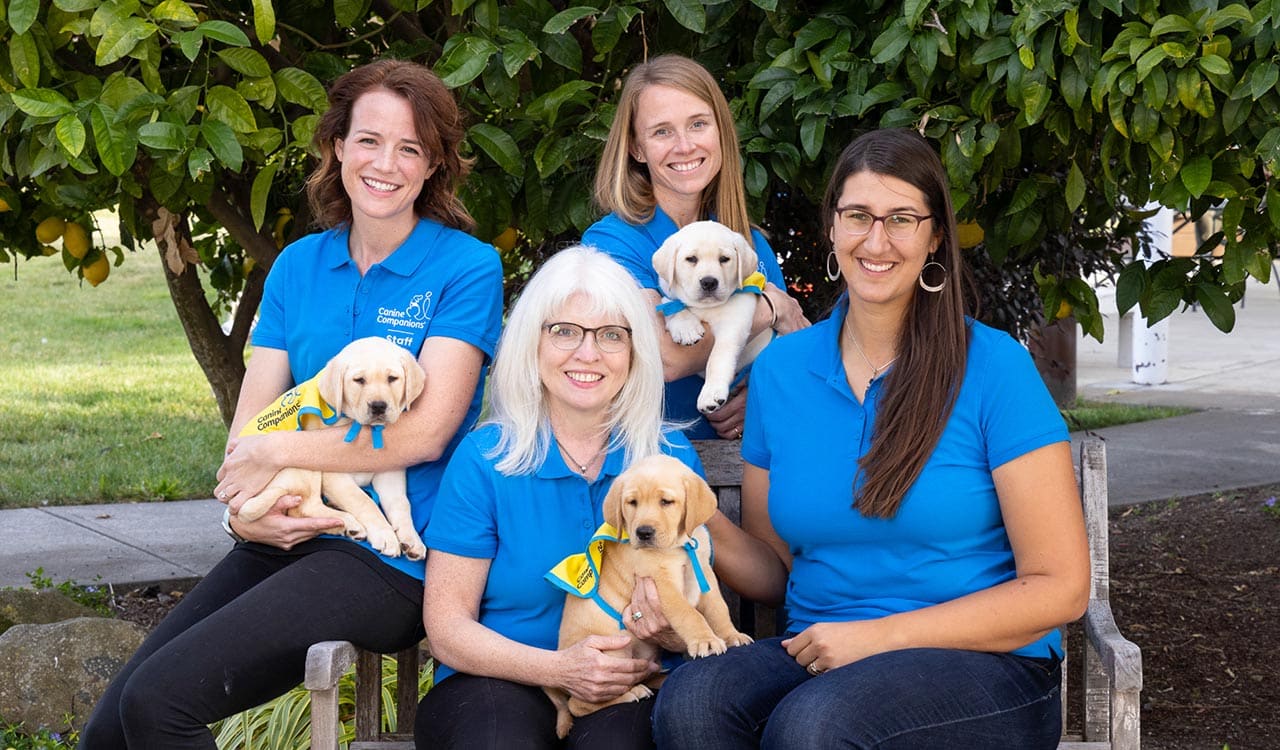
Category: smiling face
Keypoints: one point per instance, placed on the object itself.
(584, 380)
(384, 165)
(878, 269)
(678, 139)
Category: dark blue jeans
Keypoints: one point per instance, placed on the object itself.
(758, 696)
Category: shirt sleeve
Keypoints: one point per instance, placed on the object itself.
(470, 307)
(269, 330)
(1018, 413)
(464, 521)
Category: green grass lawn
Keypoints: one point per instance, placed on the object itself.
(101, 397)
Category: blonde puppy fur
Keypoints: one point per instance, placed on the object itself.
(372, 381)
(702, 265)
(661, 504)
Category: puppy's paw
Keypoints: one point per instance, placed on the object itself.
(385, 541)
(354, 530)
(706, 647)
(685, 328)
(738, 639)
(414, 549)
(638, 693)
(712, 397)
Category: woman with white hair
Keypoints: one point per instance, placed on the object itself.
(575, 397)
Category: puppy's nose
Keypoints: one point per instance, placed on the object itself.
(708, 283)
(377, 408)
(645, 534)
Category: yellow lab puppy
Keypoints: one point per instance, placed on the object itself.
(660, 506)
(370, 382)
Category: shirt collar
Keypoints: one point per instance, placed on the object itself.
(401, 262)
(554, 467)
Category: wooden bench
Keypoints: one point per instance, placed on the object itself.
(1104, 709)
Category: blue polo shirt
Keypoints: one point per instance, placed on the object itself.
(633, 246)
(439, 282)
(948, 538)
(524, 525)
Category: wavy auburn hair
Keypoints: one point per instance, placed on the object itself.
(921, 389)
(623, 185)
(436, 119)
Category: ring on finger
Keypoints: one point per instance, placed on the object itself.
(637, 616)
(813, 668)
(222, 495)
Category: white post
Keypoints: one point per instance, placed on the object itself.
(1149, 363)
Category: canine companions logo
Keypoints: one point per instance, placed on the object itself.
(413, 317)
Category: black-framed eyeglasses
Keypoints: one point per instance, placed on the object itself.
(568, 336)
(899, 226)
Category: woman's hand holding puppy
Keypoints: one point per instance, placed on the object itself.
(644, 618)
(245, 471)
(788, 315)
(279, 529)
(591, 674)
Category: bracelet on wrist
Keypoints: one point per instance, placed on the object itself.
(773, 311)
(226, 525)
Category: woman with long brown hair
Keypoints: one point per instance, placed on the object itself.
(908, 493)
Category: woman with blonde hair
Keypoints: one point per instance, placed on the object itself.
(672, 158)
(575, 397)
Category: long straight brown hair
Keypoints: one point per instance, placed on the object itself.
(921, 389)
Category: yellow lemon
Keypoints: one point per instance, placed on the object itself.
(48, 250)
(76, 240)
(1064, 309)
(4, 206)
(95, 271)
(50, 229)
(283, 218)
(507, 240)
(969, 234)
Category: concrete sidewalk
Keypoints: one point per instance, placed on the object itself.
(1234, 441)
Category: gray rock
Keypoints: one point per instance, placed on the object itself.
(24, 606)
(58, 671)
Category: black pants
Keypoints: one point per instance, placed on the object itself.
(466, 712)
(240, 638)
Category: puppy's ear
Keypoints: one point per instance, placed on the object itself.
(699, 502)
(414, 378)
(330, 385)
(747, 260)
(612, 510)
(664, 263)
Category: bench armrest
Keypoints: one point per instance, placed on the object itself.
(327, 661)
(1121, 658)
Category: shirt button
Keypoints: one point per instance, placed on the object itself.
(586, 525)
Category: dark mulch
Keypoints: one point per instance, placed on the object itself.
(1195, 582)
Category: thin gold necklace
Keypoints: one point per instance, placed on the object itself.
(582, 467)
(875, 371)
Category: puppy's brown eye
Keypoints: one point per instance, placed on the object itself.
(692, 260)
(724, 259)
(632, 501)
(359, 380)
(666, 501)
(392, 378)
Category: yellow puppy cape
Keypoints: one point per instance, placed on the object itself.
(298, 406)
(579, 574)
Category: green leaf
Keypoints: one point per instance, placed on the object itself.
(776, 97)
(41, 102)
(1172, 24)
(1027, 57)
(516, 54)
(891, 42)
(499, 146)
(1196, 173)
(1263, 80)
(189, 42)
(71, 134)
(1075, 187)
(228, 106)
(562, 21)
(465, 61)
(689, 14)
(164, 136)
(300, 87)
(816, 31)
(1130, 286)
(1149, 60)
(991, 50)
(221, 31)
(221, 139)
(115, 150)
(120, 39)
(769, 5)
(756, 177)
(24, 56)
(304, 128)
(1213, 300)
(22, 15)
(1214, 65)
(247, 62)
(260, 192)
(177, 11)
(199, 163)
(812, 131)
(548, 105)
(264, 21)
(1273, 206)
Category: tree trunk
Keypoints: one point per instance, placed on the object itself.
(1053, 347)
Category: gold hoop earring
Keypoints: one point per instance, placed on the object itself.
(833, 275)
(933, 288)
